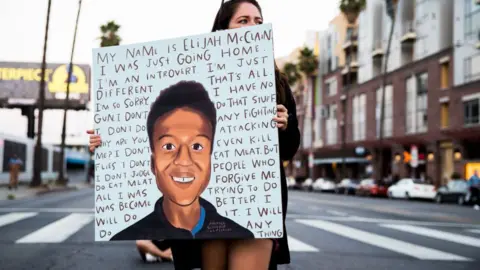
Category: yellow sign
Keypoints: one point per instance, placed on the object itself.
(78, 83)
(470, 168)
(24, 74)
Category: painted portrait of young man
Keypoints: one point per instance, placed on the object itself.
(181, 129)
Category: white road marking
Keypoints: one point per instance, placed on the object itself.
(296, 245)
(395, 245)
(447, 236)
(314, 208)
(379, 220)
(14, 217)
(474, 231)
(59, 230)
(337, 213)
(49, 210)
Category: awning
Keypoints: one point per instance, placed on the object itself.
(339, 160)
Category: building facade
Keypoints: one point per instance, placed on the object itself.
(432, 93)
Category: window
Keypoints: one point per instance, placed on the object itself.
(422, 103)
(471, 112)
(444, 115)
(444, 71)
(331, 87)
(417, 104)
(472, 68)
(472, 19)
(359, 117)
(388, 111)
(331, 124)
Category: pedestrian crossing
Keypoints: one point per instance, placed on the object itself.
(304, 235)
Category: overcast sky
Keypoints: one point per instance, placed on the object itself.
(23, 28)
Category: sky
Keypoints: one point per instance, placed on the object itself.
(23, 29)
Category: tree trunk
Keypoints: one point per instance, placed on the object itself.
(382, 105)
(37, 163)
(61, 174)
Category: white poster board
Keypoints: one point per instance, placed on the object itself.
(241, 198)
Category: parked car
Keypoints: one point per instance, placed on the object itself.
(412, 189)
(368, 187)
(347, 186)
(453, 191)
(291, 182)
(324, 185)
(307, 184)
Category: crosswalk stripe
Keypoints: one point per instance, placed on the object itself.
(59, 230)
(395, 245)
(442, 235)
(474, 231)
(296, 245)
(14, 217)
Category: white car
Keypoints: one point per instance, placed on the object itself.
(291, 182)
(324, 185)
(307, 184)
(412, 189)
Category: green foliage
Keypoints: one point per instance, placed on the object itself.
(307, 62)
(109, 34)
(351, 9)
(291, 71)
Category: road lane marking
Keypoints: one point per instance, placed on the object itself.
(337, 213)
(14, 217)
(474, 231)
(59, 230)
(49, 210)
(392, 244)
(379, 220)
(452, 237)
(314, 208)
(296, 245)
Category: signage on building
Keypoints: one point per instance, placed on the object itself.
(20, 83)
(414, 156)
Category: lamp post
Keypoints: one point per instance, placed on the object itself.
(37, 162)
(391, 6)
(61, 174)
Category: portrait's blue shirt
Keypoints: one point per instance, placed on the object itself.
(200, 222)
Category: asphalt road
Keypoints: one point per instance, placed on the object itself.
(327, 232)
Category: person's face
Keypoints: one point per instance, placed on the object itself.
(181, 155)
(245, 15)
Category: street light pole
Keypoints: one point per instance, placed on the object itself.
(37, 163)
(391, 6)
(61, 174)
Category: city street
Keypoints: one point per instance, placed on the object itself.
(327, 231)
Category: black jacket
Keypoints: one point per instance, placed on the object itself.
(155, 226)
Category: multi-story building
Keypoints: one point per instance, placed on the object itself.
(432, 92)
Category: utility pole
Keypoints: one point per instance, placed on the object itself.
(61, 174)
(344, 103)
(37, 163)
(391, 6)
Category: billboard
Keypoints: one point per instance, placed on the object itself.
(20, 83)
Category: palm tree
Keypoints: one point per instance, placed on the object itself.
(61, 174)
(351, 9)
(109, 34)
(37, 164)
(308, 65)
(291, 71)
(391, 8)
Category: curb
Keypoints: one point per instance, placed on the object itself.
(43, 192)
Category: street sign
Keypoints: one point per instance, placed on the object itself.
(414, 156)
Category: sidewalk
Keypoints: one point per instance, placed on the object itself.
(24, 191)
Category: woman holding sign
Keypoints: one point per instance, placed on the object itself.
(261, 254)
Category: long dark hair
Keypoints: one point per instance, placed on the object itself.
(222, 20)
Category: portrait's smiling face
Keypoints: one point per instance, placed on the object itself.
(181, 155)
(245, 15)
